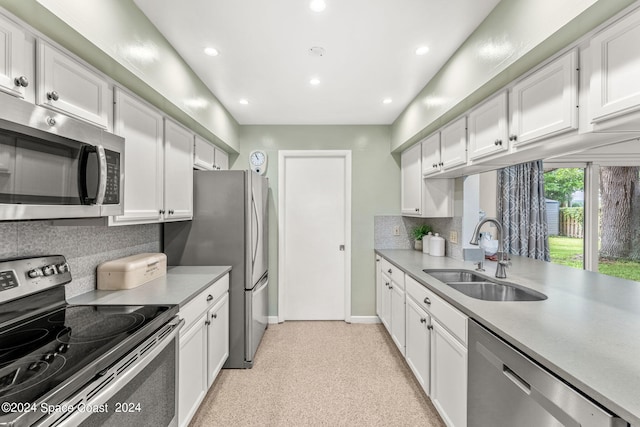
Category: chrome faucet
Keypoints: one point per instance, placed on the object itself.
(503, 262)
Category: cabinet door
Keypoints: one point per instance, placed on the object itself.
(218, 340)
(411, 181)
(192, 386)
(488, 132)
(397, 316)
(431, 154)
(12, 64)
(141, 126)
(545, 103)
(448, 376)
(221, 160)
(70, 87)
(178, 172)
(417, 343)
(453, 144)
(203, 154)
(615, 86)
(385, 303)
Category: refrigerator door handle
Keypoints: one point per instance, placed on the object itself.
(254, 238)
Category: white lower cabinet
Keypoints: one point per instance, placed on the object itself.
(418, 343)
(448, 376)
(436, 351)
(204, 346)
(392, 304)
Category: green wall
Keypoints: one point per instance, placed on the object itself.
(516, 36)
(375, 191)
(107, 34)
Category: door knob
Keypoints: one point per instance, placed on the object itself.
(53, 96)
(21, 81)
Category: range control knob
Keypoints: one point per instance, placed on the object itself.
(36, 272)
(63, 268)
(49, 270)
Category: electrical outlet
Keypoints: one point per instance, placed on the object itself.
(453, 236)
(396, 230)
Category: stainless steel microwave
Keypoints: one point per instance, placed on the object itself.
(55, 166)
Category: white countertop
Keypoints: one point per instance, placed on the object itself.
(179, 286)
(587, 331)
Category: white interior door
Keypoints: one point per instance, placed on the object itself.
(314, 240)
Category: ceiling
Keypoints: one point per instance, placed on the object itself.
(264, 53)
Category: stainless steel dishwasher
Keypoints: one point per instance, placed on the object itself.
(508, 389)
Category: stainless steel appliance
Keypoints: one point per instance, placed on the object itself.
(54, 166)
(508, 389)
(229, 227)
(70, 365)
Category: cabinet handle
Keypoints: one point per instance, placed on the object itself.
(435, 165)
(423, 320)
(161, 211)
(386, 284)
(53, 96)
(427, 301)
(21, 81)
(207, 322)
(429, 327)
(513, 137)
(440, 164)
(390, 287)
(171, 211)
(209, 297)
(51, 121)
(498, 142)
(214, 316)
(389, 271)
(417, 209)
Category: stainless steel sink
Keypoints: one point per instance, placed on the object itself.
(481, 287)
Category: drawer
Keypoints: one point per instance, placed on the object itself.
(450, 317)
(203, 301)
(393, 272)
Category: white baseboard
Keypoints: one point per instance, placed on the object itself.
(365, 319)
(273, 319)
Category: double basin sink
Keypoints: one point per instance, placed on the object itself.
(484, 288)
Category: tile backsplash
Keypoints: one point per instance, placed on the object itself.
(85, 247)
(384, 225)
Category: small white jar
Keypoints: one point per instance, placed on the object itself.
(426, 242)
(436, 245)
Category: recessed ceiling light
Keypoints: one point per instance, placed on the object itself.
(211, 51)
(317, 5)
(387, 101)
(314, 82)
(422, 50)
(244, 101)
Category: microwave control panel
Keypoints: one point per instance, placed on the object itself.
(112, 194)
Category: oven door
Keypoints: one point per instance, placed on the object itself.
(141, 389)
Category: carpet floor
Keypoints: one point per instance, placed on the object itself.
(320, 374)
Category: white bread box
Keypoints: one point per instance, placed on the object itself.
(131, 271)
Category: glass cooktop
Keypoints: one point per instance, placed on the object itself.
(43, 353)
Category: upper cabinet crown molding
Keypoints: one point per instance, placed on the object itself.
(68, 86)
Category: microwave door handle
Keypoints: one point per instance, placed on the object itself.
(102, 183)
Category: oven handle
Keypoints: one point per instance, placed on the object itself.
(120, 380)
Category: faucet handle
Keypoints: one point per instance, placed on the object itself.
(480, 266)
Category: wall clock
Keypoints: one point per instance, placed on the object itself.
(258, 161)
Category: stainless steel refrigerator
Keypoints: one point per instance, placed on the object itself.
(229, 227)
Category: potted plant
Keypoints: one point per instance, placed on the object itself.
(417, 233)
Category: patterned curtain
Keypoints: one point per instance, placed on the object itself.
(522, 210)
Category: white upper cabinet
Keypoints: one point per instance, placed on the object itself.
(209, 157)
(221, 160)
(431, 154)
(68, 86)
(411, 181)
(203, 154)
(488, 128)
(453, 144)
(545, 103)
(14, 77)
(178, 172)
(142, 128)
(615, 76)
